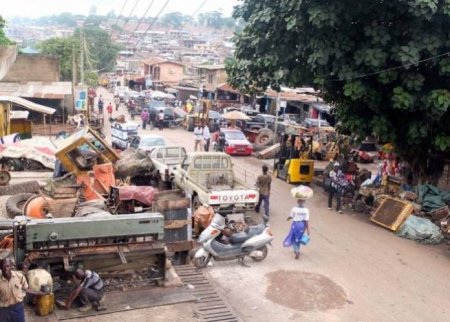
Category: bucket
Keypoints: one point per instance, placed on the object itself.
(45, 304)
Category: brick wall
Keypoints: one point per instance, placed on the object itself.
(34, 67)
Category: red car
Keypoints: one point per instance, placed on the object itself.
(233, 142)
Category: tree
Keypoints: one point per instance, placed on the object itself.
(174, 20)
(63, 48)
(384, 65)
(3, 39)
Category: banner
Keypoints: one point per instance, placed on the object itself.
(80, 96)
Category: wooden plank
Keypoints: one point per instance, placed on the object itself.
(392, 213)
(176, 224)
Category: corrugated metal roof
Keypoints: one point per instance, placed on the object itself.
(48, 90)
(28, 104)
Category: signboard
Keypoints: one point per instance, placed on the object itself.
(80, 96)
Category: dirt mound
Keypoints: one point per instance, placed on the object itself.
(304, 291)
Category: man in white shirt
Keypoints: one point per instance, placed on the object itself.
(198, 137)
(206, 137)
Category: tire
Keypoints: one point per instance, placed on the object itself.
(24, 187)
(264, 251)
(265, 137)
(14, 205)
(201, 262)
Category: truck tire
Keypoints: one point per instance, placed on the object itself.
(265, 137)
(24, 187)
(14, 205)
(191, 124)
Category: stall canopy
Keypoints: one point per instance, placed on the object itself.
(322, 107)
(28, 104)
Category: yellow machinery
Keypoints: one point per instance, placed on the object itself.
(194, 118)
(293, 163)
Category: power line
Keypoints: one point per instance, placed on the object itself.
(121, 10)
(151, 24)
(139, 23)
(129, 16)
(388, 69)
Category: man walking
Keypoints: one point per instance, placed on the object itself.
(144, 118)
(152, 118)
(198, 137)
(161, 120)
(263, 183)
(335, 189)
(109, 109)
(100, 104)
(206, 137)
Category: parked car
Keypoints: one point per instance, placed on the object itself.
(147, 142)
(309, 123)
(233, 142)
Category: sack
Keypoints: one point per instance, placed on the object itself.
(326, 183)
(305, 239)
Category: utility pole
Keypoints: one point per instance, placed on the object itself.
(74, 66)
(81, 57)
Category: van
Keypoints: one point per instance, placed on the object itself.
(122, 133)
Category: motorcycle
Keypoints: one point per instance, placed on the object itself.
(252, 242)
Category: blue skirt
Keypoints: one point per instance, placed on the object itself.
(295, 235)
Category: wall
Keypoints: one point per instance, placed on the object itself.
(171, 73)
(33, 67)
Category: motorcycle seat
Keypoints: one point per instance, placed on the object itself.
(239, 238)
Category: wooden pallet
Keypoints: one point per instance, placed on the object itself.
(210, 305)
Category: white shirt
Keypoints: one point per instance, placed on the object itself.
(161, 116)
(206, 134)
(299, 214)
(198, 133)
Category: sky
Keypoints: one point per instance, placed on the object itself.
(37, 8)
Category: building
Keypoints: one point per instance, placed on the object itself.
(36, 77)
(211, 76)
(161, 70)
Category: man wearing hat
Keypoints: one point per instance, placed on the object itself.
(334, 189)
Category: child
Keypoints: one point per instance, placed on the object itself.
(300, 216)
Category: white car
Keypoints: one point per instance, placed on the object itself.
(147, 142)
(166, 158)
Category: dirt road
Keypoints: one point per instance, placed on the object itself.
(351, 271)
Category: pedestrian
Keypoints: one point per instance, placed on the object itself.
(109, 109)
(161, 120)
(144, 118)
(117, 102)
(13, 288)
(335, 190)
(300, 223)
(90, 291)
(100, 104)
(263, 182)
(198, 137)
(206, 137)
(152, 118)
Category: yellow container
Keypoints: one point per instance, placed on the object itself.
(45, 304)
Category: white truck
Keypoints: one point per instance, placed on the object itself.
(165, 159)
(208, 178)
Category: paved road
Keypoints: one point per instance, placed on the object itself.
(351, 271)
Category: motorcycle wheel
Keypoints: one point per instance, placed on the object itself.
(201, 262)
(264, 251)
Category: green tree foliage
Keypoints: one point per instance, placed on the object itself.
(3, 39)
(63, 48)
(99, 51)
(63, 19)
(383, 64)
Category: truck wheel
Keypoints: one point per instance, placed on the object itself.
(190, 124)
(201, 262)
(265, 137)
(263, 256)
(14, 205)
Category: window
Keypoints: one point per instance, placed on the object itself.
(156, 73)
(210, 78)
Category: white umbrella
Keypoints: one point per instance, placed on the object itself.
(236, 115)
(158, 94)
